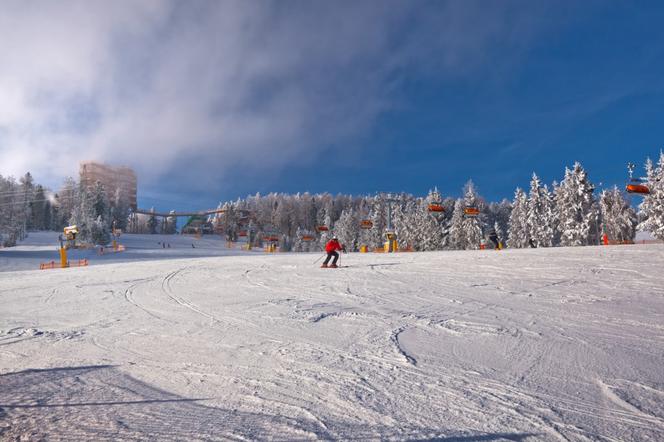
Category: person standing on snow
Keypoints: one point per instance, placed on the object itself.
(331, 249)
(493, 237)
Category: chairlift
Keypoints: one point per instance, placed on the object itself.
(366, 224)
(436, 208)
(242, 233)
(471, 211)
(637, 188)
(322, 228)
(636, 185)
(308, 238)
(271, 238)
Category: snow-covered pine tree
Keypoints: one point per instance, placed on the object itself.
(325, 235)
(406, 225)
(434, 197)
(229, 222)
(364, 212)
(83, 215)
(499, 213)
(99, 231)
(517, 233)
(307, 240)
(651, 209)
(67, 198)
(153, 223)
(540, 214)
(284, 220)
(429, 232)
(619, 220)
(11, 212)
(347, 229)
(577, 210)
(27, 184)
(466, 231)
(40, 209)
(456, 238)
(379, 220)
(119, 210)
(445, 221)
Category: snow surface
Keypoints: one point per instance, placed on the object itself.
(41, 247)
(531, 344)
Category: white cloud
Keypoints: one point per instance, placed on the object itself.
(227, 84)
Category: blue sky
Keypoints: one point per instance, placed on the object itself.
(216, 100)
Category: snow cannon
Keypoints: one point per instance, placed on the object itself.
(391, 243)
(70, 235)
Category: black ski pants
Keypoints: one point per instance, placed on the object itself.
(330, 255)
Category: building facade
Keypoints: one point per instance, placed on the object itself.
(112, 178)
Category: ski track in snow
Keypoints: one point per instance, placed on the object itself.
(558, 344)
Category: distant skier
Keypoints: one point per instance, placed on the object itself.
(331, 249)
(493, 237)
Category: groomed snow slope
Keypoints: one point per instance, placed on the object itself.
(545, 344)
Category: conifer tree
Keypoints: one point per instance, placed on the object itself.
(347, 229)
(40, 210)
(67, 198)
(577, 210)
(379, 220)
(406, 222)
(651, 210)
(517, 234)
(152, 223)
(119, 210)
(27, 190)
(540, 214)
(456, 238)
(467, 230)
(619, 220)
(83, 215)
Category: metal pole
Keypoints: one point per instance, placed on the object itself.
(389, 215)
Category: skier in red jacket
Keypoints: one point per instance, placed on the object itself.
(331, 249)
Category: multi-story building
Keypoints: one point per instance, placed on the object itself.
(112, 178)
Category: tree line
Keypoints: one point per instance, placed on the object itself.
(567, 213)
(25, 206)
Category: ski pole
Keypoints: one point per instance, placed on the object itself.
(318, 259)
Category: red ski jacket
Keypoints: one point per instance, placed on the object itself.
(332, 246)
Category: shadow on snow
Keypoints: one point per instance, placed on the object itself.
(100, 402)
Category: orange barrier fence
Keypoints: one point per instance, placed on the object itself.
(56, 265)
(47, 265)
(105, 250)
(618, 243)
